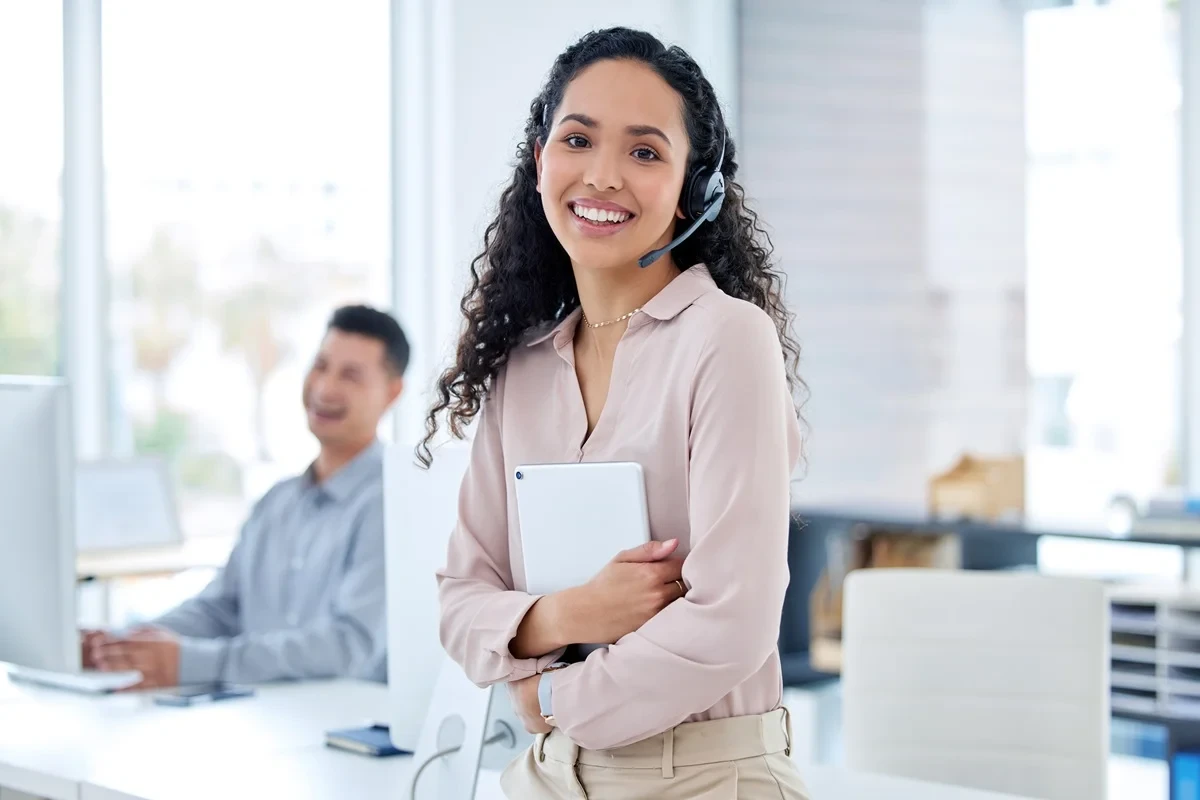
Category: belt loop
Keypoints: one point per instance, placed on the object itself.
(787, 728)
(668, 758)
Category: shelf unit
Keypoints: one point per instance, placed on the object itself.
(1156, 652)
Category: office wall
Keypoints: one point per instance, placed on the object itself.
(883, 143)
(473, 107)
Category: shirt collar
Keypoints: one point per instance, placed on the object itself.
(677, 295)
(366, 465)
(680, 293)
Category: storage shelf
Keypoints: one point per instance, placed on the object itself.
(1156, 651)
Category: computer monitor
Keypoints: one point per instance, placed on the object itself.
(39, 638)
(124, 503)
(420, 510)
(37, 516)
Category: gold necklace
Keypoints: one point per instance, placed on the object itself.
(594, 325)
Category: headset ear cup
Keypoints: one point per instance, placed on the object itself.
(714, 196)
(695, 193)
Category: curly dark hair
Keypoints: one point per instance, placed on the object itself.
(523, 277)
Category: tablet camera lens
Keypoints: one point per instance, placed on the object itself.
(520, 476)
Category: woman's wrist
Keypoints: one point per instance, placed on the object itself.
(565, 625)
(552, 623)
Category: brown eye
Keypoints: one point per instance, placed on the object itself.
(576, 141)
(645, 154)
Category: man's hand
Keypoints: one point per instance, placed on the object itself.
(524, 696)
(152, 651)
(89, 644)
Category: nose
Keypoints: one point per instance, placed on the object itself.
(603, 172)
(321, 387)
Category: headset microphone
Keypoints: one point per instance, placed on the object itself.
(703, 195)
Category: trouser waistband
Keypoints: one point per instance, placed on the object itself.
(686, 745)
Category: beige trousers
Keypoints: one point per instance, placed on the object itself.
(740, 758)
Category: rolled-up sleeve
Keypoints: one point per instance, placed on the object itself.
(744, 442)
(480, 609)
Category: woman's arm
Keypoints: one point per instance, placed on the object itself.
(745, 441)
(481, 613)
(546, 627)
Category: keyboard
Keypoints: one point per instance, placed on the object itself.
(87, 681)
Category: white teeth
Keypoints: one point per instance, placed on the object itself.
(600, 215)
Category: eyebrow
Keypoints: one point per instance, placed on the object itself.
(632, 130)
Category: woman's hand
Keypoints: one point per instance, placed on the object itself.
(622, 597)
(524, 697)
(628, 592)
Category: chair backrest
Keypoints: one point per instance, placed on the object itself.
(991, 680)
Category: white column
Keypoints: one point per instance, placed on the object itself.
(1190, 195)
(84, 274)
(411, 102)
(712, 39)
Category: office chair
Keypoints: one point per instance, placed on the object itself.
(989, 680)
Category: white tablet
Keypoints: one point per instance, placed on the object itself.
(576, 517)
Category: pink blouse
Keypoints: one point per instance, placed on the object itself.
(699, 397)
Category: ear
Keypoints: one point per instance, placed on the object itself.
(537, 162)
(395, 388)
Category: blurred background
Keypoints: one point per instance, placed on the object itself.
(977, 203)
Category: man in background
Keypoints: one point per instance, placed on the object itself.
(303, 593)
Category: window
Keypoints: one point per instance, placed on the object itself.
(1104, 258)
(31, 149)
(247, 158)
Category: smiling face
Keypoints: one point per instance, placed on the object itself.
(348, 389)
(612, 168)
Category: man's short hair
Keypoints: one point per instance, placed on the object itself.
(375, 324)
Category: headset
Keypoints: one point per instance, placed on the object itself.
(701, 201)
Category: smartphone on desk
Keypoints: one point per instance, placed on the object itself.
(202, 693)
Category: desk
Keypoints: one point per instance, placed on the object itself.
(107, 566)
(72, 747)
(321, 774)
(198, 551)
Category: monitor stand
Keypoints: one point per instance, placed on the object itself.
(455, 733)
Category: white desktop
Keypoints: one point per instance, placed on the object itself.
(420, 511)
(37, 538)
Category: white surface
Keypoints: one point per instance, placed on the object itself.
(195, 552)
(998, 681)
(1131, 778)
(37, 568)
(833, 783)
(87, 681)
(575, 518)
(124, 747)
(323, 775)
(420, 509)
(127, 743)
(122, 503)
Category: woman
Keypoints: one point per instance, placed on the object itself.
(572, 351)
